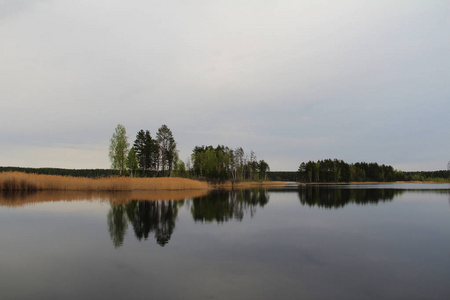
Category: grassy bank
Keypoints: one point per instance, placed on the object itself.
(16, 181)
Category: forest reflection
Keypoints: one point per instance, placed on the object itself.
(145, 217)
(339, 197)
(151, 216)
(158, 218)
(225, 206)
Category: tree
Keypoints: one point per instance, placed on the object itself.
(132, 163)
(263, 169)
(146, 150)
(239, 161)
(180, 169)
(302, 173)
(118, 149)
(167, 149)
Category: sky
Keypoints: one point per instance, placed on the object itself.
(291, 80)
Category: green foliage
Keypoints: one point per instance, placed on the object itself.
(339, 171)
(167, 149)
(147, 152)
(180, 169)
(132, 163)
(158, 156)
(222, 163)
(118, 149)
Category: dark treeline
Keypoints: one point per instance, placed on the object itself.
(437, 176)
(90, 173)
(339, 171)
(442, 175)
(282, 176)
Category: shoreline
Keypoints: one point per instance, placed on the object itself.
(17, 181)
(370, 182)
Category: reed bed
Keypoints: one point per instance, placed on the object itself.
(17, 181)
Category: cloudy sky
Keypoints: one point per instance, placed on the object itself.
(291, 80)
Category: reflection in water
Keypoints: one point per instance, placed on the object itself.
(117, 224)
(21, 198)
(11, 198)
(158, 217)
(224, 206)
(338, 197)
(145, 217)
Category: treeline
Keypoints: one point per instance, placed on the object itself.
(90, 173)
(436, 176)
(339, 171)
(159, 157)
(282, 176)
(223, 163)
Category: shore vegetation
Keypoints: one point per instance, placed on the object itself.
(17, 181)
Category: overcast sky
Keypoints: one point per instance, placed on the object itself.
(291, 80)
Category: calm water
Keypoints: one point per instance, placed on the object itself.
(347, 242)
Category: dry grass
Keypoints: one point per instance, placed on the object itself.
(17, 181)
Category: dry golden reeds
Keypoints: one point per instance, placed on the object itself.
(17, 181)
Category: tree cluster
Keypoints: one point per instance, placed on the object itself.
(223, 163)
(339, 171)
(148, 156)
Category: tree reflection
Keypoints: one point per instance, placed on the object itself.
(223, 206)
(145, 217)
(340, 197)
(117, 224)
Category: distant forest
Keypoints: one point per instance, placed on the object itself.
(438, 176)
(339, 171)
(90, 173)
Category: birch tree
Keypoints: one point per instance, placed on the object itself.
(118, 149)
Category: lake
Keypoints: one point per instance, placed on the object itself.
(389, 241)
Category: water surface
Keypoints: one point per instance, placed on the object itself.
(319, 242)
